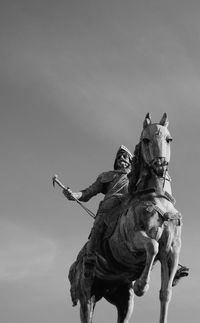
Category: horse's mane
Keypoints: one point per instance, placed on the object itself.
(133, 176)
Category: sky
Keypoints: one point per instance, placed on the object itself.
(76, 81)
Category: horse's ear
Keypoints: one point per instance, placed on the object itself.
(164, 121)
(147, 120)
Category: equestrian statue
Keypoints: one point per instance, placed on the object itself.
(136, 226)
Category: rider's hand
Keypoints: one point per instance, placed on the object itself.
(68, 194)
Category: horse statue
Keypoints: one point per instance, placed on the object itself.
(147, 229)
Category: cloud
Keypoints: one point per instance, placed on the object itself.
(23, 253)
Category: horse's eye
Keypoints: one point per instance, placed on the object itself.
(146, 141)
(169, 139)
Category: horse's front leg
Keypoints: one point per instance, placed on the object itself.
(169, 264)
(123, 298)
(167, 276)
(87, 309)
(125, 305)
(143, 241)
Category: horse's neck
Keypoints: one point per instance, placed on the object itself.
(149, 180)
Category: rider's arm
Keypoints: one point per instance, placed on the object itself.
(92, 190)
(71, 195)
(86, 194)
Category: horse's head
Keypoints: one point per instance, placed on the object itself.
(155, 144)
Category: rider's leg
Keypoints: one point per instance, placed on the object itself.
(105, 212)
(93, 245)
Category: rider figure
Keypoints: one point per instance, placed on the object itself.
(113, 184)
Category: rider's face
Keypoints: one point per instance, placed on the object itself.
(123, 161)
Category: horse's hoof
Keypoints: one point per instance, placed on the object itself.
(183, 271)
(140, 287)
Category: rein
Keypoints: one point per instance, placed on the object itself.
(166, 216)
(170, 216)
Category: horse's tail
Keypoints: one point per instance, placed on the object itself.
(75, 276)
(73, 283)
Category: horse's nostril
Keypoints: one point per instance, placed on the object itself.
(159, 162)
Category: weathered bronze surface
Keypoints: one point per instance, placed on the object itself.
(143, 229)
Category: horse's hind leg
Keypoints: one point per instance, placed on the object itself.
(87, 310)
(143, 241)
(125, 306)
(123, 299)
